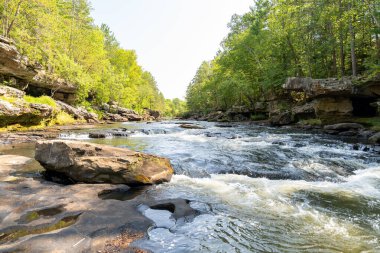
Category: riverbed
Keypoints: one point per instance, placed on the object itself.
(255, 188)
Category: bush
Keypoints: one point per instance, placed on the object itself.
(62, 118)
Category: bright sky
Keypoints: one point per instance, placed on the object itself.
(171, 37)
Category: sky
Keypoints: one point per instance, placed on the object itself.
(170, 37)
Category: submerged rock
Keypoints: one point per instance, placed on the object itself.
(191, 126)
(94, 163)
(342, 127)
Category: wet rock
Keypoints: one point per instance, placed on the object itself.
(284, 118)
(191, 126)
(224, 125)
(93, 163)
(180, 209)
(341, 127)
(280, 143)
(213, 134)
(375, 139)
(348, 133)
(97, 135)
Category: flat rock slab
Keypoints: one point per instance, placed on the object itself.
(94, 163)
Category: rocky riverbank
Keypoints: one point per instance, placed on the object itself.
(347, 107)
(45, 211)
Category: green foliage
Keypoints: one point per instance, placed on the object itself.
(61, 36)
(310, 122)
(11, 100)
(41, 100)
(175, 108)
(283, 38)
(373, 123)
(61, 118)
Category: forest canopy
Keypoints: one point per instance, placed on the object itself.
(61, 36)
(277, 39)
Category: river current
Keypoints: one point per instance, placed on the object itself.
(259, 189)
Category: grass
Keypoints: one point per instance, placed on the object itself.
(311, 122)
(257, 117)
(46, 100)
(11, 100)
(373, 123)
(20, 128)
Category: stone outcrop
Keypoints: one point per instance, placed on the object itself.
(116, 113)
(78, 113)
(319, 87)
(93, 163)
(330, 100)
(18, 72)
(7, 91)
(153, 113)
(26, 114)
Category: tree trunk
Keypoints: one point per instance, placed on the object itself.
(9, 28)
(352, 45)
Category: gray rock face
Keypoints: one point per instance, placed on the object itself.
(333, 108)
(7, 91)
(13, 64)
(92, 163)
(23, 113)
(344, 127)
(78, 113)
(319, 87)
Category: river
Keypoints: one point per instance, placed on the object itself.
(260, 189)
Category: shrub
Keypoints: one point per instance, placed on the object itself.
(62, 118)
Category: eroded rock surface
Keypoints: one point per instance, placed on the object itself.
(92, 163)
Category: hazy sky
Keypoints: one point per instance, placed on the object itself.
(171, 37)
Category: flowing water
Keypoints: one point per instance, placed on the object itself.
(260, 189)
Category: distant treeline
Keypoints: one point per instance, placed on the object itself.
(62, 36)
(283, 38)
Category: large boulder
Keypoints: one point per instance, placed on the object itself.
(7, 91)
(23, 113)
(78, 113)
(94, 163)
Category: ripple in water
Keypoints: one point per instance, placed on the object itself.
(262, 189)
